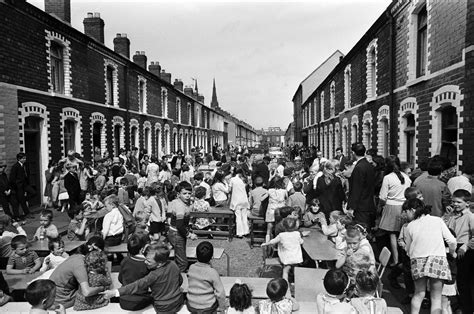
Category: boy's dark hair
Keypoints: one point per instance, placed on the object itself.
(276, 289)
(335, 281)
(204, 252)
(199, 176)
(435, 167)
(297, 186)
(123, 181)
(200, 192)
(283, 212)
(423, 164)
(162, 252)
(135, 243)
(39, 290)
(258, 181)
(289, 224)
(358, 149)
(367, 281)
(75, 210)
(240, 297)
(52, 241)
(142, 173)
(19, 239)
(418, 205)
(411, 193)
(47, 213)
(462, 194)
(184, 185)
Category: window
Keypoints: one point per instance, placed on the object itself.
(347, 87)
(372, 69)
(205, 119)
(198, 117)
(178, 110)
(110, 85)
(57, 67)
(410, 138)
(164, 102)
(190, 114)
(69, 135)
(422, 42)
(134, 136)
(332, 99)
(142, 103)
(117, 132)
(449, 133)
(322, 106)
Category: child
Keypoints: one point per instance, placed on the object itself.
(141, 224)
(277, 198)
(336, 283)
(132, 268)
(240, 299)
(205, 290)
(256, 198)
(164, 280)
(367, 283)
(175, 177)
(200, 205)
(289, 245)
(77, 229)
(56, 255)
(123, 192)
(355, 257)
(199, 181)
(41, 294)
(186, 174)
(98, 276)
(461, 221)
(239, 202)
(157, 215)
(278, 303)
(313, 214)
(297, 199)
(46, 228)
(22, 261)
(141, 182)
(336, 230)
(180, 210)
(220, 189)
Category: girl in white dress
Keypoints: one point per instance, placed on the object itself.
(277, 198)
(239, 202)
(152, 171)
(289, 245)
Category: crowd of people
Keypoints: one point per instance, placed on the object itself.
(358, 201)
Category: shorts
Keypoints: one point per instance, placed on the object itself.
(157, 227)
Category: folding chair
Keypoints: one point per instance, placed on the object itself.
(269, 259)
(384, 257)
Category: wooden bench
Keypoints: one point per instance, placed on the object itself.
(256, 221)
(217, 212)
(257, 285)
(308, 283)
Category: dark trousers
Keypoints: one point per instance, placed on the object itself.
(365, 217)
(465, 281)
(405, 270)
(209, 310)
(5, 203)
(135, 302)
(113, 240)
(179, 244)
(19, 199)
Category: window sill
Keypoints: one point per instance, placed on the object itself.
(416, 81)
(370, 99)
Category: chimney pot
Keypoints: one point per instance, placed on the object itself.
(140, 59)
(178, 84)
(89, 14)
(122, 45)
(155, 68)
(165, 76)
(59, 8)
(94, 26)
(96, 14)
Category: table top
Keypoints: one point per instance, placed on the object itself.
(308, 283)
(190, 251)
(214, 211)
(318, 246)
(257, 285)
(42, 246)
(19, 281)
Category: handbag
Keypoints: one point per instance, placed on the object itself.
(63, 196)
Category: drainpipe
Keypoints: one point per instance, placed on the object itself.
(391, 62)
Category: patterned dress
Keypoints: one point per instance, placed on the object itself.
(96, 301)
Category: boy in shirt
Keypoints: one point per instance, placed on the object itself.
(297, 199)
(46, 228)
(257, 196)
(461, 221)
(22, 261)
(199, 181)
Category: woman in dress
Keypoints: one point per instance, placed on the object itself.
(152, 171)
(239, 202)
(329, 189)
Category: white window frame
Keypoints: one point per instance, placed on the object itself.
(72, 114)
(66, 58)
(367, 129)
(134, 124)
(178, 110)
(415, 7)
(164, 102)
(347, 87)
(115, 91)
(142, 104)
(383, 137)
(371, 85)
(321, 106)
(332, 99)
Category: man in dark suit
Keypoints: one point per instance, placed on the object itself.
(5, 190)
(341, 158)
(72, 185)
(20, 185)
(361, 188)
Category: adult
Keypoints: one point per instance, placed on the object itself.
(178, 160)
(152, 171)
(261, 170)
(462, 181)
(20, 186)
(341, 158)
(72, 185)
(435, 192)
(392, 196)
(72, 158)
(133, 160)
(71, 275)
(319, 160)
(5, 190)
(329, 189)
(361, 188)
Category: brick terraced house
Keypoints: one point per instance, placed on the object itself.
(62, 89)
(405, 88)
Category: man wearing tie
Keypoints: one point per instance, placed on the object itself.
(72, 185)
(19, 182)
(341, 158)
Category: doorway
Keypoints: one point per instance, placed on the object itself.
(32, 133)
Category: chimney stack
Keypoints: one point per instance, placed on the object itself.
(122, 45)
(178, 84)
(155, 68)
(188, 90)
(165, 76)
(94, 26)
(59, 8)
(140, 59)
(200, 98)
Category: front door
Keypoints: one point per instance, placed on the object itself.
(33, 156)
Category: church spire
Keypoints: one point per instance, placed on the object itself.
(214, 102)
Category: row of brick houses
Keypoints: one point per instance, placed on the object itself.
(62, 89)
(405, 88)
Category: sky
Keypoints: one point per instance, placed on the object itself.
(257, 51)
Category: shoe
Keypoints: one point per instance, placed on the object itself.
(425, 304)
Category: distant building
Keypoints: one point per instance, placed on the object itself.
(406, 87)
(272, 136)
